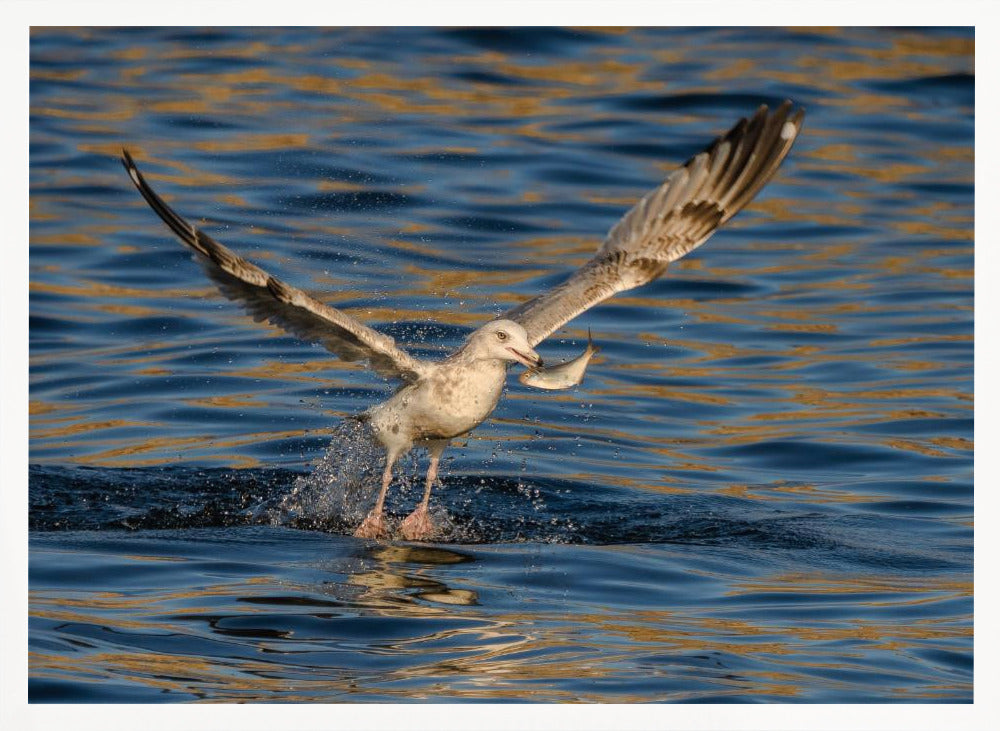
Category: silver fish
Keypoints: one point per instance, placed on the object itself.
(563, 376)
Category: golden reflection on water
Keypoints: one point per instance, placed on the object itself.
(382, 88)
(491, 654)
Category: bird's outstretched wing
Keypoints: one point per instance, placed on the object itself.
(267, 297)
(671, 220)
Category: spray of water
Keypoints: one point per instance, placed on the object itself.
(342, 486)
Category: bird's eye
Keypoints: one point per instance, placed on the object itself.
(501, 335)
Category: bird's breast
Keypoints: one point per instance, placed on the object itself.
(459, 399)
(447, 403)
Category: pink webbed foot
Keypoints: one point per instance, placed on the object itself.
(418, 526)
(373, 526)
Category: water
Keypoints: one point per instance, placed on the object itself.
(761, 492)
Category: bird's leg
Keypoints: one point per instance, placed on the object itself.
(373, 526)
(418, 525)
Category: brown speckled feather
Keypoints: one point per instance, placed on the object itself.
(268, 298)
(670, 221)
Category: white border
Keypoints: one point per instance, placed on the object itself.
(19, 15)
(498, 12)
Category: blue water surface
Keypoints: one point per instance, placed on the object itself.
(762, 491)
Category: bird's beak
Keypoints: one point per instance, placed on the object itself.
(528, 357)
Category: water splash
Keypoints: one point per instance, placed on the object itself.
(343, 484)
(341, 487)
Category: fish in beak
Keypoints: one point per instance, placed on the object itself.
(562, 376)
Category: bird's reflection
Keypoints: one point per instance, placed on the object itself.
(400, 575)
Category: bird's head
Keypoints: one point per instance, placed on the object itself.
(505, 340)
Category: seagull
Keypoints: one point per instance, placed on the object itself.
(440, 401)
